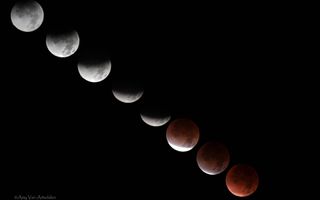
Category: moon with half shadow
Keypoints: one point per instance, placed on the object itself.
(94, 70)
(155, 117)
(127, 91)
(27, 16)
(182, 134)
(63, 44)
(213, 158)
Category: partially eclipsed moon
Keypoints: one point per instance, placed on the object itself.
(242, 180)
(27, 16)
(127, 91)
(63, 44)
(182, 134)
(95, 71)
(213, 158)
(155, 115)
(155, 118)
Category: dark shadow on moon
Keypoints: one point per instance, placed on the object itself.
(155, 115)
(94, 66)
(127, 89)
(213, 157)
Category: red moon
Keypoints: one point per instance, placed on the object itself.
(242, 180)
(182, 134)
(213, 158)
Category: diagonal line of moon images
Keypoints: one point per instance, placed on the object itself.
(182, 134)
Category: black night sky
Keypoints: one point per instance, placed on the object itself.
(215, 64)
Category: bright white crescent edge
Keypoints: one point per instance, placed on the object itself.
(155, 121)
(127, 98)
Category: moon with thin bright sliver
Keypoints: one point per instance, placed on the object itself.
(127, 91)
(182, 134)
(63, 44)
(154, 117)
(94, 71)
(155, 121)
(213, 158)
(242, 180)
(27, 16)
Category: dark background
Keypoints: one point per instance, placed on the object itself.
(222, 66)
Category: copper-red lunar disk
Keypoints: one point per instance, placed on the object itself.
(182, 134)
(242, 180)
(213, 158)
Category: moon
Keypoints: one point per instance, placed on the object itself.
(242, 180)
(127, 91)
(213, 158)
(94, 71)
(155, 117)
(63, 44)
(27, 16)
(182, 134)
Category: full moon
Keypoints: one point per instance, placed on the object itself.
(127, 91)
(63, 44)
(94, 71)
(242, 180)
(213, 158)
(182, 134)
(154, 117)
(27, 16)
